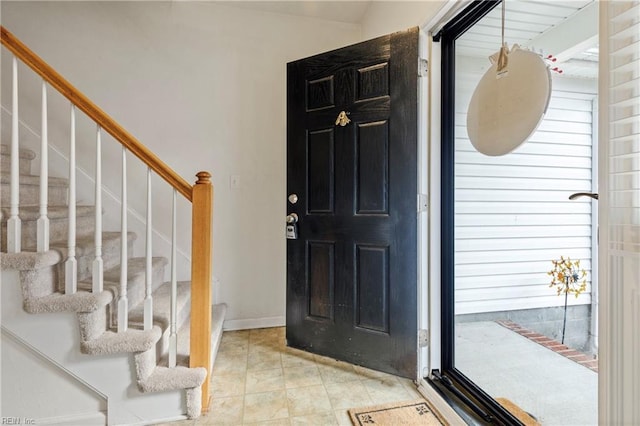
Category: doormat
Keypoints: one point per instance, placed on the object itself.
(517, 412)
(400, 413)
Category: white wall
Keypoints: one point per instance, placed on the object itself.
(35, 388)
(203, 85)
(384, 17)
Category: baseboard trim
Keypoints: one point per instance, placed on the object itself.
(246, 324)
(157, 421)
(97, 418)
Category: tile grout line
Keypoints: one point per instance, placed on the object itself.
(256, 342)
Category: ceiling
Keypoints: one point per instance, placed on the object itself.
(567, 30)
(562, 28)
(342, 11)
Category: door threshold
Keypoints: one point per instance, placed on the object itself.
(452, 411)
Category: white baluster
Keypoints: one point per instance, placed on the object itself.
(98, 267)
(71, 264)
(14, 224)
(43, 220)
(173, 336)
(123, 303)
(148, 301)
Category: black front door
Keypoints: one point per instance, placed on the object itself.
(352, 271)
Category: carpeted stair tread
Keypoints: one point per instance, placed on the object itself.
(82, 301)
(32, 213)
(132, 340)
(164, 379)
(29, 260)
(162, 304)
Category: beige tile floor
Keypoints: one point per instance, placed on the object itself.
(257, 380)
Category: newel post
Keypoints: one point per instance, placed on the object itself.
(201, 243)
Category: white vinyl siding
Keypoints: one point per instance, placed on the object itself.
(513, 215)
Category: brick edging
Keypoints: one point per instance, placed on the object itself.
(557, 347)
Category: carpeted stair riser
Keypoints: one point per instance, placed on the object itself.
(162, 310)
(92, 324)
(38, 283)
(184, 340)
(58, 225)
(136, 287)
(26, 155)
(29, 184)
(145, 363)
(86, 252)
(162, 346)
(24, 166)
(30, 190)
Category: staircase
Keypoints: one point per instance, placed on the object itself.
(151, 344)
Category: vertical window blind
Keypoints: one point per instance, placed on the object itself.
(620, 212)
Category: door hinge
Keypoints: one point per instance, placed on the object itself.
(423, 338)
(423, 67)
(423, 202)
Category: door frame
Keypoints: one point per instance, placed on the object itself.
(423, 207)
(430, 185)
(478, 400)
(455, 10)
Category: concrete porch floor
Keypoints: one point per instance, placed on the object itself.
(551, 387)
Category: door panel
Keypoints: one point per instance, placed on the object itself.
(351, 274)
(320, 171)
(372, 163)
(321, 279)
(372, 288)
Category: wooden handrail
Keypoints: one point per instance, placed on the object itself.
(51, 76)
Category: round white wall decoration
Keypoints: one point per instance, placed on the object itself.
(506, 108)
